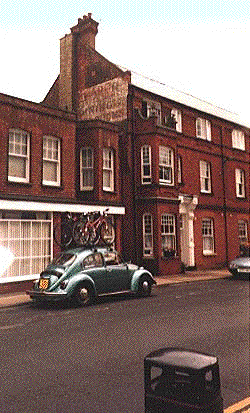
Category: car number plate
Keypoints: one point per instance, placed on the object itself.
(43, 283)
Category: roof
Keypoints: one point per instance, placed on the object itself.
(177, 96)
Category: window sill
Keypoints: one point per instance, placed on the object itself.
(108, 191)
(206, 193)
(162, 125)
(209, 254)
(170, 258)
(86, 189)
(203, 139)
(60, 187)
(238, 149)
(166, 183)
(19, 183)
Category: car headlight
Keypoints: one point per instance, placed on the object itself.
(233, 265)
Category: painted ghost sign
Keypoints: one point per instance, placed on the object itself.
(106, 101)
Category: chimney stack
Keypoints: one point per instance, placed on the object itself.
(83, 34)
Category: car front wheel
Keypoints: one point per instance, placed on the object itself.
(84, 295)
(145, 286)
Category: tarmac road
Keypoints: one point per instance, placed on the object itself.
(90, 360)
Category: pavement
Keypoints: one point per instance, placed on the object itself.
(15, 299)
(20, 298)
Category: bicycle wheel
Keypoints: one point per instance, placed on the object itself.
(80, 233)
(107, 233)
(94, 236)
(63, 234)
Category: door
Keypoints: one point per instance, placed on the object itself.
(187, 207)
(117, 275)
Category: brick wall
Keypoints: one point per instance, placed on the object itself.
(37, 121)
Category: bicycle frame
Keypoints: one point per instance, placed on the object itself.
(90, 224)
(88, 229)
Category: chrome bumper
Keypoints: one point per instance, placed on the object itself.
(47, 295)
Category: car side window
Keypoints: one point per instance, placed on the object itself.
(111, 258)
(93, 260)
(98, 260)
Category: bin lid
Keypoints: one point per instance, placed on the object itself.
(181, 358)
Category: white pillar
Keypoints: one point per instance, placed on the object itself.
(187, 207)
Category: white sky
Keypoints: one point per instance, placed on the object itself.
(198, 47)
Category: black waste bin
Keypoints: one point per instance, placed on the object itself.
(182, 381)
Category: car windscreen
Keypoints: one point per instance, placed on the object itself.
(65, 259)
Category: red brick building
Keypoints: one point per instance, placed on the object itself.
(173, 170)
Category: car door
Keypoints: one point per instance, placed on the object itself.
(93, 265)
(117, 272)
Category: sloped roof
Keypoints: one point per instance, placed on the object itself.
(171, 93)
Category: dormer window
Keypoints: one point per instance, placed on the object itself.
(238, 139)
(203, 129)
(173, 120)
(151, 108)
(176, 113)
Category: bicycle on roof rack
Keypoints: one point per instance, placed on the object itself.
(92, 227)
(86, 230)
(63, 232)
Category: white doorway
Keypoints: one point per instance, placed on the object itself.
(186, 210)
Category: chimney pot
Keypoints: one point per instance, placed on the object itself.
(87, 29)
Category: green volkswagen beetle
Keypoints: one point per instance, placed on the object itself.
(80, 275)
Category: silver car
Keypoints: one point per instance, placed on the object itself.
(240, 266)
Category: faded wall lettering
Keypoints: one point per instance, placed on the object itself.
(106, 101)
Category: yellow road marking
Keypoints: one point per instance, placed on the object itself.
(243, 404)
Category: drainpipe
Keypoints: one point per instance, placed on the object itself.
(132, 135)
(223, 163)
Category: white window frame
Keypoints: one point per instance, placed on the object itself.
(242, 231)
(153, 109)
(208, 236)
(203, 129)
(178, 117)
(240, 183)
(205, 177)
(86, 168)
(146, 176)
(108, 169)
(238, 139)
(147, 235)
(166, 165)
(19, 149)
(168, 232)
(52, 155)
(179, 169)
(30, 242)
